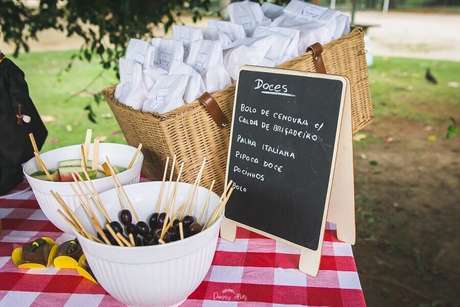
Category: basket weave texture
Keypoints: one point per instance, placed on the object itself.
(190, 133)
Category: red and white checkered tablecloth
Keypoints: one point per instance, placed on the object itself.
(252, 271)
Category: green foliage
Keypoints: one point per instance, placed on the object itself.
(104, 25)
(452, 129)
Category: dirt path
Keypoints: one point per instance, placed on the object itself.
(415, 35)
(408, 212)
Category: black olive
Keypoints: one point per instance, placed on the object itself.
(150, 239)
(188, 220)
(157, 233)
(116, 226)
(142, 227)
(125, 217)
(109, 236)
(131, 228)
(176, 223)
(172, 235)
(138, 240)
(161, 219)
(153, 241)
(194, 228)
(153, 220)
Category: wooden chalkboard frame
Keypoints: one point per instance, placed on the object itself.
(339, 204)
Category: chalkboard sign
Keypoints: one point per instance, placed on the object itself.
(282, 152)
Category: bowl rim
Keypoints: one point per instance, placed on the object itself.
(63, 183)
(158, 246)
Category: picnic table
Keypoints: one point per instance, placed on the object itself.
(252, 271)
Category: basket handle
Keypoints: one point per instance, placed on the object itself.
(317, 49)
(213, 109)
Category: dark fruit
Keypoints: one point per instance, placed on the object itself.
(153, 220)
(175, 223)
(131, 228)
(194, 228)
(161, 219)
(142, 228)
(138, 240)
(109, 236)
(116, 226)
(188, 220)
(150, 239)
(172, 235)
(125, 217)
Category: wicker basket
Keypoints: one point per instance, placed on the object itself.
(190, 133)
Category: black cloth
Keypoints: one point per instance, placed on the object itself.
(15, 146)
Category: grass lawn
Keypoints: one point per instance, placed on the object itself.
(52, 90)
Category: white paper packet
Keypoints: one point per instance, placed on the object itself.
(186, 34)
(166, 94)
(233, 32)
(252, 52)
(166, 51)
(206, 58)
(151, 75)
(137, 50)
(131, 91)
(213, 34)
(195, 85)
(287, 44)
(271, 10)
(248, 14)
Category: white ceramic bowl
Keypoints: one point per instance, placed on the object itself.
(158, 275)
(119, 155)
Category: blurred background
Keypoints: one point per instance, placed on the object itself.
(407, 166)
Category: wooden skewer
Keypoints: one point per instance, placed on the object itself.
(131, 239)
(206, 204)
(161, 241)
(123, 239)
(181, 231)
(191, 202)
(34, 144)
(38, 160)
(95, 195)
(160, 196)
(219, 210)
(76, 228)
(95, 161)
(113, 234)
(136, 154)
(120, 186)
(89, 133)
(69, 212)
(171, 204)
(171, 176)
(71, 223)
(87, 208)
(225, 195)
(84, 164)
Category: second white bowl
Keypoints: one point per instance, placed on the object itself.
(158, 275)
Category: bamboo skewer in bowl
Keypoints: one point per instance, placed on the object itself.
(206, 205)
(119, 186)
(192, 192)
(87, 208)
(95, 161)
(38, 160)
(220, 208)
(160, 196)
(95, 196)
(136, 154)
